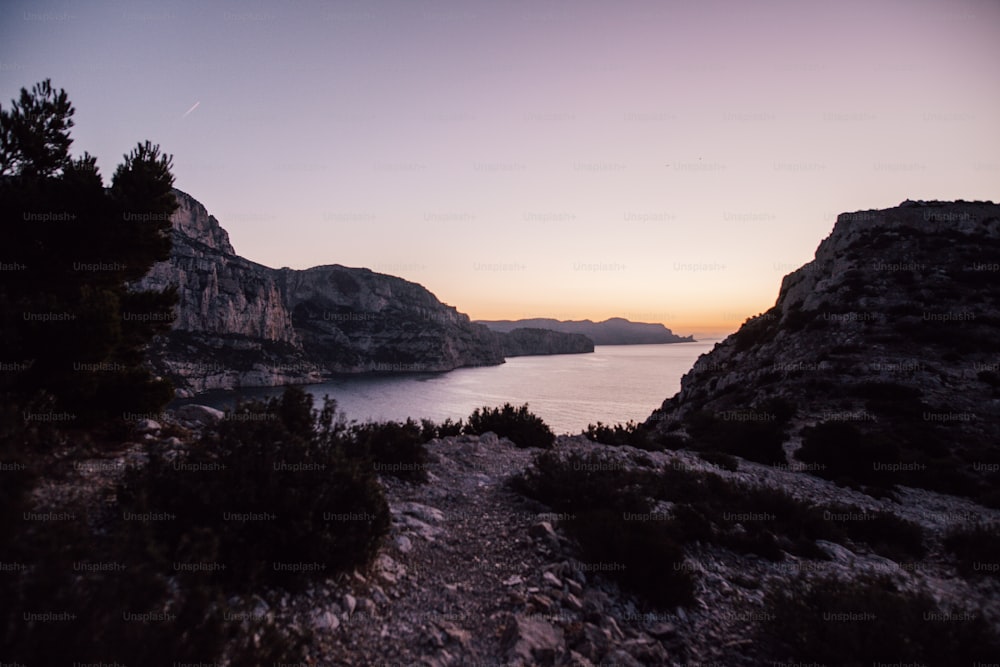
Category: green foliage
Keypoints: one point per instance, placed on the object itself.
(870, 621)
(116, 605)
(392, 448)
(631, 434)
(610, 521)
(270, 488)
(447, 428)
(612, 504)
(67, 313)
(34, 132)
(521, 426)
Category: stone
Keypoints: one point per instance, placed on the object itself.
(199, 414)
(570, 601)
(325, 620)
(542, 530)
(148, 426)
(552, 580)
(403, 544)
(532, 641)
(513, 580)
(349, 602)
(662, 630)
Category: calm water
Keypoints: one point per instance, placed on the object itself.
(613, 384)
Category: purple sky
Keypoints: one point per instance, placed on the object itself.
(660, 161)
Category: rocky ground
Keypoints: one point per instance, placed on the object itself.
(474, 574)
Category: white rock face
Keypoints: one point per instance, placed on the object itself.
(238, 323)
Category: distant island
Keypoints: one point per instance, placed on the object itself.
(613, 331)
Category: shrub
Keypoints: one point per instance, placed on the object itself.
(642, 553)
(753, 440)
(393, 448)
(607, 504)
(845, 454)
(521, 426)
(443, 430)
(69, 572)
(720, 459)
(268, 488)
(884, 533)
(869, 621)
(632, 434)
(977, 549)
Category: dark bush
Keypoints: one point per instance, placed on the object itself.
(631, 434)
(720, 459)
(977, 549)
(639, 553)
(845, 454)
(886, 534)
(870, 621)
(753, 439)
(521, 426)
(392, 448)
(269, 494)
(611, 520)
(443, 430)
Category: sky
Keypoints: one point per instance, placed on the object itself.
(662, 161)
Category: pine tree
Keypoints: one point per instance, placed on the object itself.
(71, 326)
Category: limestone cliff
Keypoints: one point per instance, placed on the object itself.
(525, 342)
(355, 320)
(239, 323)
(887, 340)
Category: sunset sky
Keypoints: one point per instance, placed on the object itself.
(661, 161)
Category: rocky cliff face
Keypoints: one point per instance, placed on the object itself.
(355, 320)
(887, 342)
(238, 323)
(526, 342)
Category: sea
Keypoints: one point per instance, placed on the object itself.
(614, 383)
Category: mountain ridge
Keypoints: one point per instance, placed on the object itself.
(877, 363)
(612, 331)
(240, 323)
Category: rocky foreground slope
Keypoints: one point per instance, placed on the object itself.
(239, 323)
(881, 355)
(472, 572)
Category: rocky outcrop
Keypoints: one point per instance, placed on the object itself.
(614, 331)
(525, 342)
(891, 332)
(230, 326)
(356, 320)
(239, 323)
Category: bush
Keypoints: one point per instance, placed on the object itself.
(720, 459)
(845, 454)
(393, 448)
(521, 426)
(886, 534)
(759, 441)
(270, 488)
(631, 434)
(604, 500)
(641, 552)
(977, 549)
(869, 621)
(443, 430)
